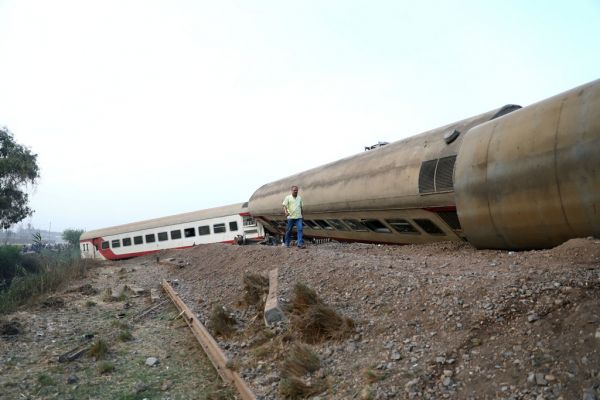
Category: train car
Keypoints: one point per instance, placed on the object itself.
(511, 178)
(227, 224)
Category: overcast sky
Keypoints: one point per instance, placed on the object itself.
(142, 109)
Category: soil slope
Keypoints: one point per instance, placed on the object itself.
(430, 321)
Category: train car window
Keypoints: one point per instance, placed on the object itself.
(323, 224)
(115, 243)
(248, 221)
(219, 228)
(138, 240)
(402, 226)
(311, 224)
(356, 225)
(429, 227)
(189, 232)
(337, 224)
(126, 241)
(150, 238)
(162, 236)
(204, 230)
(105, 245)
(233, 226)
(376, 225)
(176, 234)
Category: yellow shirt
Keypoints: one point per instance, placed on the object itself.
(293, 205)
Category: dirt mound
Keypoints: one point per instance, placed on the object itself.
(578, 250)
(440, 320)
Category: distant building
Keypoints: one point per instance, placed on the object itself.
(24, 235)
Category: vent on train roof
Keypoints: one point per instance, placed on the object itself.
(437, 175)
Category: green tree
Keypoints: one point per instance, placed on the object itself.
(18, 168)
(72, 236)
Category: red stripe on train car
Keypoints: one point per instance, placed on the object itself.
(440, 209)
(110, 255)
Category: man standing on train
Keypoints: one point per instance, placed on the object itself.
(292, 207)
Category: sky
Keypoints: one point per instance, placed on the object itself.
(143, 109)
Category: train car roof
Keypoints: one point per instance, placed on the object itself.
(232, 209)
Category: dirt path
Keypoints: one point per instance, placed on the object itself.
(431, 321)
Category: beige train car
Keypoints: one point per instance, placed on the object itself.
(512, 178)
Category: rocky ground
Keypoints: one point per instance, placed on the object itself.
(430, 321)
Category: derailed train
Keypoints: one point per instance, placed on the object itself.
(227, 224)
(511, 178)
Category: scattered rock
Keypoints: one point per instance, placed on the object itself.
(10, 328)
(151, 361)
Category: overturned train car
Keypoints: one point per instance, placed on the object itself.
(512, 178)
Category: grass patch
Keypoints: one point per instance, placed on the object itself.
(106, 367)
(39, 274)
(46, 380)
(125, 336)
(120, 325)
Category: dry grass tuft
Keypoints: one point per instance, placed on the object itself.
(99, 350)
(300, 361)
(314, 320)
(256, 286)
(222, 322)
(296, 388)
(304, 297)
(371, 375)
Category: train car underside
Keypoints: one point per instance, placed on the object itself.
(397, 226)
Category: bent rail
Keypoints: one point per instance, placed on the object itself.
(210, 346)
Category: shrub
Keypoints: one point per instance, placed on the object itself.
(36, 274)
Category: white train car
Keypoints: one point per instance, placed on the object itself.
(226, 224)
